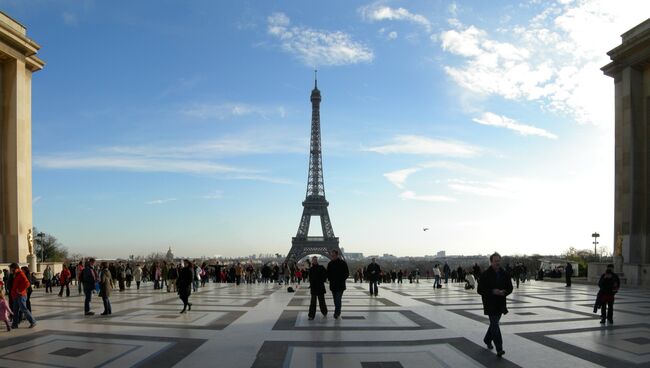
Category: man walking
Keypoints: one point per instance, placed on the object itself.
(337, 274)
(19, 287)
(494, 285)
(88, 279)
(374, 272)
(317, 277)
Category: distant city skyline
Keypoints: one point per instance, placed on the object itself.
(186, 124)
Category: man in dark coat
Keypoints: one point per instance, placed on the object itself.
(568, 273)
(374, 272)
(337, 274)
(184, 284)
(494, 285)
(88, 279)
(317, 278)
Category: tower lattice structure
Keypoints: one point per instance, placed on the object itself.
(315, 203)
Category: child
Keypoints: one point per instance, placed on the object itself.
(5, 311)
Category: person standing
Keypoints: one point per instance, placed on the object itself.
(337, 274)
(184, 284)
(105, 286)
(64, 280)
(18, 294)
(608, 284)
(5, 311)
(172, 276)
(568, 273)
(494, 285)
(446, 270)
(436, 275)
(89, 279)
(78, 271)
(137, 276)
(47, 279)
(374, 272)
(317, 277)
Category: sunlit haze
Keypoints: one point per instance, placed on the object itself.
(186, 124)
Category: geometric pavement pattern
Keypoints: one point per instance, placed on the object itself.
(262, 325)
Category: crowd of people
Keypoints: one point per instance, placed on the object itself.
(494, 284)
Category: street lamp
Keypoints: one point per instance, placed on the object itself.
(595, 236)
(40, 236)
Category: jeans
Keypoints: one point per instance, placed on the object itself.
(107, 305)
(20, 306)
(607, 310)
(436, 282)
(494, 332)
(373, 287)
(67, 289)
(321, 304)
(337, 296)
(89, 293)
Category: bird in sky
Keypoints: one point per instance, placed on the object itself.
(425, 229)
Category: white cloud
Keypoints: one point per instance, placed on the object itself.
(503, 188)
(398, 178)
(418, 145)
(161, 201)
(36, 199)
(70, 19)
(379, 12)
(410, 195)
(134, 163)
(554, 59)
(317, 47)
(216, 194)
(501, 121)
(392, 35)
(451, 166)
(231, 109)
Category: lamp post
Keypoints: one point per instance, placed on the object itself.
(595, 236)
(40, 236)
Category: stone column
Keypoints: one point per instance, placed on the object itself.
(630, 68)
(18, 61)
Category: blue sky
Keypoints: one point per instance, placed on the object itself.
(186, 123)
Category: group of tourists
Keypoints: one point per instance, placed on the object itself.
(494, 285)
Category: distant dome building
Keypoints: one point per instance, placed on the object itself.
(170, 255)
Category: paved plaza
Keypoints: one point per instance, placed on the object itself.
(407, 325)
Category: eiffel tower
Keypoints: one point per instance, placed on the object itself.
(315, 203)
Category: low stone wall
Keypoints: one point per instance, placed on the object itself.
(633, 275)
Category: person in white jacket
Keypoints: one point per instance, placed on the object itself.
(137, 276)
(437, 275)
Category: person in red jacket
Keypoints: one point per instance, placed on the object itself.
(64, 280)
(19, 296)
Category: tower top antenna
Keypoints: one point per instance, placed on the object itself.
(315, 79)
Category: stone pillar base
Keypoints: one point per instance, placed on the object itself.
(31, 261)
(618, 264)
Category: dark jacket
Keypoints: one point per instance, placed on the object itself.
(374, 271)
(489, 280)
(568, 270)
(609, 285)
(89, 277)
(317, 277)
(184, 281)
(337, 273)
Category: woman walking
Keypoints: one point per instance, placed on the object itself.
(105, 286)
(184, 284)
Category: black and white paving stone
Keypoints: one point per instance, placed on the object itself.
(263, 325)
